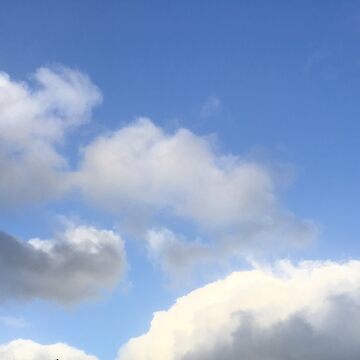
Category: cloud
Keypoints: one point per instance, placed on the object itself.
(310, 311)
(77, 264)
(183, 174)
(231, 200)
(34, 117)
(29, 350)
(139, 172)
(177, 256)
(11, 321)
(211, 106)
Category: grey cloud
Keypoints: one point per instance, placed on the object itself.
(175, 255)
(78, 264)
(178, 256)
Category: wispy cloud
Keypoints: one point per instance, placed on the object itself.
(211, 106)
(13, 321)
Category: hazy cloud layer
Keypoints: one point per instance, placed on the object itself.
(34, 117)
(29, 350)
(77, 264)
(310, 311)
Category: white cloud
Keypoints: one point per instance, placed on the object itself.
(310, 311)
(34, 118)
(29, 350)
(142, 169)
(211, 106)
(144, 166)
(77, 264)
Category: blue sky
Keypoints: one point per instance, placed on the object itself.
(273, 83)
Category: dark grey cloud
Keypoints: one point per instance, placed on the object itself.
(78, 264)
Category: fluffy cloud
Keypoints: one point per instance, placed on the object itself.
(142, 169)
(29, 350)
(34, 117)
(310, 311)
(142, 165)
(77, 264)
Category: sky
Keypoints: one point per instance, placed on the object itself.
(179, 180)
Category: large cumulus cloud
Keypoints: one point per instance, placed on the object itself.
(29, 350)
(77, 264)
(310, 311)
